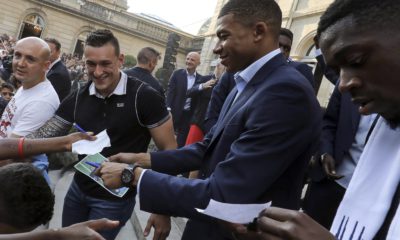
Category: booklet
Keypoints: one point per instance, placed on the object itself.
(87, 167)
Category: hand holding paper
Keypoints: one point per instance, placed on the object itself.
(234, 213)
(92, 147)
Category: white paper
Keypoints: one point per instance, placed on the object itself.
(92, 147)
(234, 213)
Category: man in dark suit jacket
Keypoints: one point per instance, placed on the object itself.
(147, 61)
(221, 90)
(285, 44)
(258, 150)
(179, 103)
(58, 73)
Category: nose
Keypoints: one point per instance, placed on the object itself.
(348, 81)
(98, 71)
(218, 48)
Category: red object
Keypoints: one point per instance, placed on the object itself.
(195, 135)
(21, 147)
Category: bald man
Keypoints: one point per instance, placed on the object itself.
(183, 85)
(36, 101)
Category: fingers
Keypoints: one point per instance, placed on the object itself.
(147, 229)
(102, 224)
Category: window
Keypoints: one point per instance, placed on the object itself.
(32, 25)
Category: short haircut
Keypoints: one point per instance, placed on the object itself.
(147, 54)
(101, 37)
(26, 200)
(368, 14)
(249, 12)
(7, 85)
(286, 32)
(55, 42)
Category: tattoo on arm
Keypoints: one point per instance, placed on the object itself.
(55, 127)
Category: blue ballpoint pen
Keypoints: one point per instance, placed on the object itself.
(79, 128)
(93, 164)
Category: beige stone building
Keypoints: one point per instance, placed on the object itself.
(70, 21)
(301, 17)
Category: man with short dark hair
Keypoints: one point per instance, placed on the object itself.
(58, 73)
(147, 61)
(259, 148)
(131, 111)
(26, 200)
(360, 38)
(285, 44)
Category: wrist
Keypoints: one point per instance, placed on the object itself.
(137, 173)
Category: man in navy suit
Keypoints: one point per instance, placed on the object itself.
(259, 148)
(58, 74)
(178, 101)
(285, 44)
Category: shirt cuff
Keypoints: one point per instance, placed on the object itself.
(317, 52)
(200, 86)
(138, 185)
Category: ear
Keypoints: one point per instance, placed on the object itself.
(121, 59)
(260, 30)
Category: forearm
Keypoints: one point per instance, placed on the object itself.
(54, 127)
(40, 235)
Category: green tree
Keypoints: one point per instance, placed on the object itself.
(129, 61)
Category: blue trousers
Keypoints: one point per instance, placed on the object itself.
(79, 207)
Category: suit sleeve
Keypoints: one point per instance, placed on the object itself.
(171, 89)
(262, 152)
(329, 122)
(218, 96)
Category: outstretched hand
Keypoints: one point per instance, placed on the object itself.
(142, 159)
(86, 230)
(74, 137)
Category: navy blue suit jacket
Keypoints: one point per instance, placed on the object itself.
(177, 93)
(59, 77)
(224, 86)
(257, 152)
(144, 75)
(339, 127)
(305, 70)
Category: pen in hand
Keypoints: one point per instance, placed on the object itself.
(93, 164)
(79, 128)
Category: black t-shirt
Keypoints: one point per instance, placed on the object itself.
(126, 117)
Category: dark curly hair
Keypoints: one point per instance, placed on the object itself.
(26, 200)
(368, 14)
(250, 11)
(101, 37)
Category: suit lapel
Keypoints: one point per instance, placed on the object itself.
(230, 109)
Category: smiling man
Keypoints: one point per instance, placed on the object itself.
(361, 38)
(260, 146)
(131, 111)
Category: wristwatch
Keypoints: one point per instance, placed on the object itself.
(128, 175)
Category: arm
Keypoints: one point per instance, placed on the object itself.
(9, 147)
(86, 230)
(54, 127)
(171, 92)
(283, 224)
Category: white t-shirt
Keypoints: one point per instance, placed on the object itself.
(29, 109)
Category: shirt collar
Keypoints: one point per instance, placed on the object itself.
(54, 63)
(194, 74)
(120, 89)
(248, 73)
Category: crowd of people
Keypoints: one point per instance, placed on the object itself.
(250, 132)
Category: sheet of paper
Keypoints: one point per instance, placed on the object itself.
(235, 213)
(92, 147)
(88, 170)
